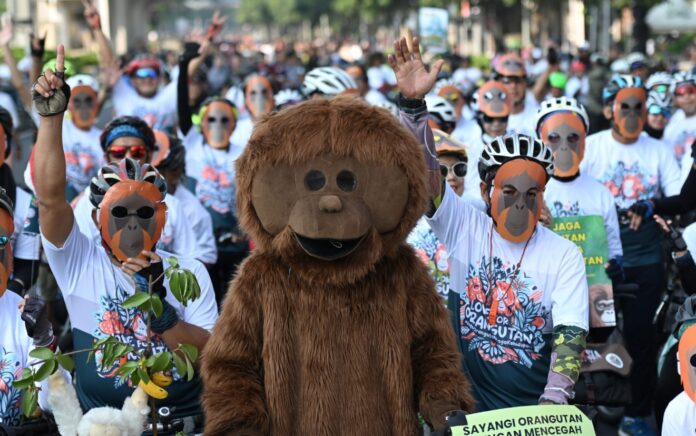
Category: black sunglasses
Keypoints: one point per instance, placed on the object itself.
(145, 212)
(489, 120)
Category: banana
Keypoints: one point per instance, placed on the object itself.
(153, 390)
(160, 379)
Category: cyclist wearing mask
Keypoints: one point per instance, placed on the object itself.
(639, 171)
(521, 321)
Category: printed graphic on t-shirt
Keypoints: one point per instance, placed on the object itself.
(10, 406)
(563, 209)
(502, 316)
(434, 255)
(682, 142)
(81, 165)
(215, 188)
(128, 326)
(630, 184)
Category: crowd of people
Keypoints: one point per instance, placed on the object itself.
(137, 163)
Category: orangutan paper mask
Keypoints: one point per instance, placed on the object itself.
(452, 95)
(131, 218)
(629, 112)
(517, 199)
(83, 107)
(494, 99)
(687, 361)
(218, 124)
(564, 133)
(258, 96)
(6, 230)
(330, 203)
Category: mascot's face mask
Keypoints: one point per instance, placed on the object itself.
(218, 124)
(687, 361)
(131, 218)
(258, 96)
(494, 99)
(83, 106)
(331, 203)
(3, 144)
(452, 95)
(517, 199)
(564, 133)
(629, 112)
(6, 230)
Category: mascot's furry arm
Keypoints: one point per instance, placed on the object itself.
(439, 384)
(232, 366)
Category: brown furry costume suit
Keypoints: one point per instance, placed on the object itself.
(354, 345)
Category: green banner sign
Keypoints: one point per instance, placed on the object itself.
(588, 233)
(527, 421)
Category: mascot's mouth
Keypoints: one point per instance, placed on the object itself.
(328, 249)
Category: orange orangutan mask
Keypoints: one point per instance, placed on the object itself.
(258, 94)
(687, 361)
(494, 99)
(564, 133)
(162, 141)
(217, 125)
(6, 230)
(131, 218)
(454, 96)
(83, 106)
(629, 112)
(517, 199)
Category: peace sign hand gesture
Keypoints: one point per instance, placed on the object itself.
(412, 78)
(91, 15)
(50, 92)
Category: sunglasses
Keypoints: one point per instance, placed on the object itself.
(685, 90)
(511, 79)
(491, 120)
(458, 169)
(4, 240)
(657, 110)
(661, 88)
(146, 73)
(120, 151)
(145, 212)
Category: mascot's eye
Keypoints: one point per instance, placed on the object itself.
(315, 180)
(346, 181)
(145, 212)
(693, 360)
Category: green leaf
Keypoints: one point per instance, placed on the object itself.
(189, 370)
(136, 300)
(121, 350)
(142, 375)
(24, 382)
(66, 362)
(30, 402)
(173, 262)
(175, 287)
(48, 368)
(180, 364)
(157, 307)
(190, 351)
(161, 361)
(42, 353)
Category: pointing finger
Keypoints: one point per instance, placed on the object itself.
(60, 59)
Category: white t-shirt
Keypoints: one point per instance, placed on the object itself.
(199, 219)
(689, 235)
(680, 417)
(242, 131)
(523, 122)
(680, 133)
(158, 111)
(639, 171)
(83, 155)
(9, 104)
(177, 235)
(26, 237)
(582, 197)
(375, 97)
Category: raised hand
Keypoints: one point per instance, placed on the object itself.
(109, 74)
(7, 31)
(37, 45)
(412, 78)
(216, 25)
(91, 15)
(50, 92)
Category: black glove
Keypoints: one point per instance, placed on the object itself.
(190, 52)
(35, 317)
(38, 51)
(53, 105)
(643, 208)
(154, 271)
(676, 241)
(615, 271)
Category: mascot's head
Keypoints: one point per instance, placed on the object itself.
(130, 209)
(331, 186)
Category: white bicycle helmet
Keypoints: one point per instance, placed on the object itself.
(443, 83)
(659, 99)
(391, 107)
(619, 81)
(659, 78)
(561, 104)
(83, 80)
(680, 78)
(514, 146)
(287, 97)
(327, 81)
(441, 108)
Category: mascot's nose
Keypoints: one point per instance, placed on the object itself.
(330, 204)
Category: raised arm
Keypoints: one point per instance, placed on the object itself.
(51, 95)
(414, 81)
(6, 36)
(38, 46)
(191, 51)
(106, 53)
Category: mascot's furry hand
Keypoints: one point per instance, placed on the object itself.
(102, 421)
(50, 92)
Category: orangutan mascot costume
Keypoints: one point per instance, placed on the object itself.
(332, 326)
